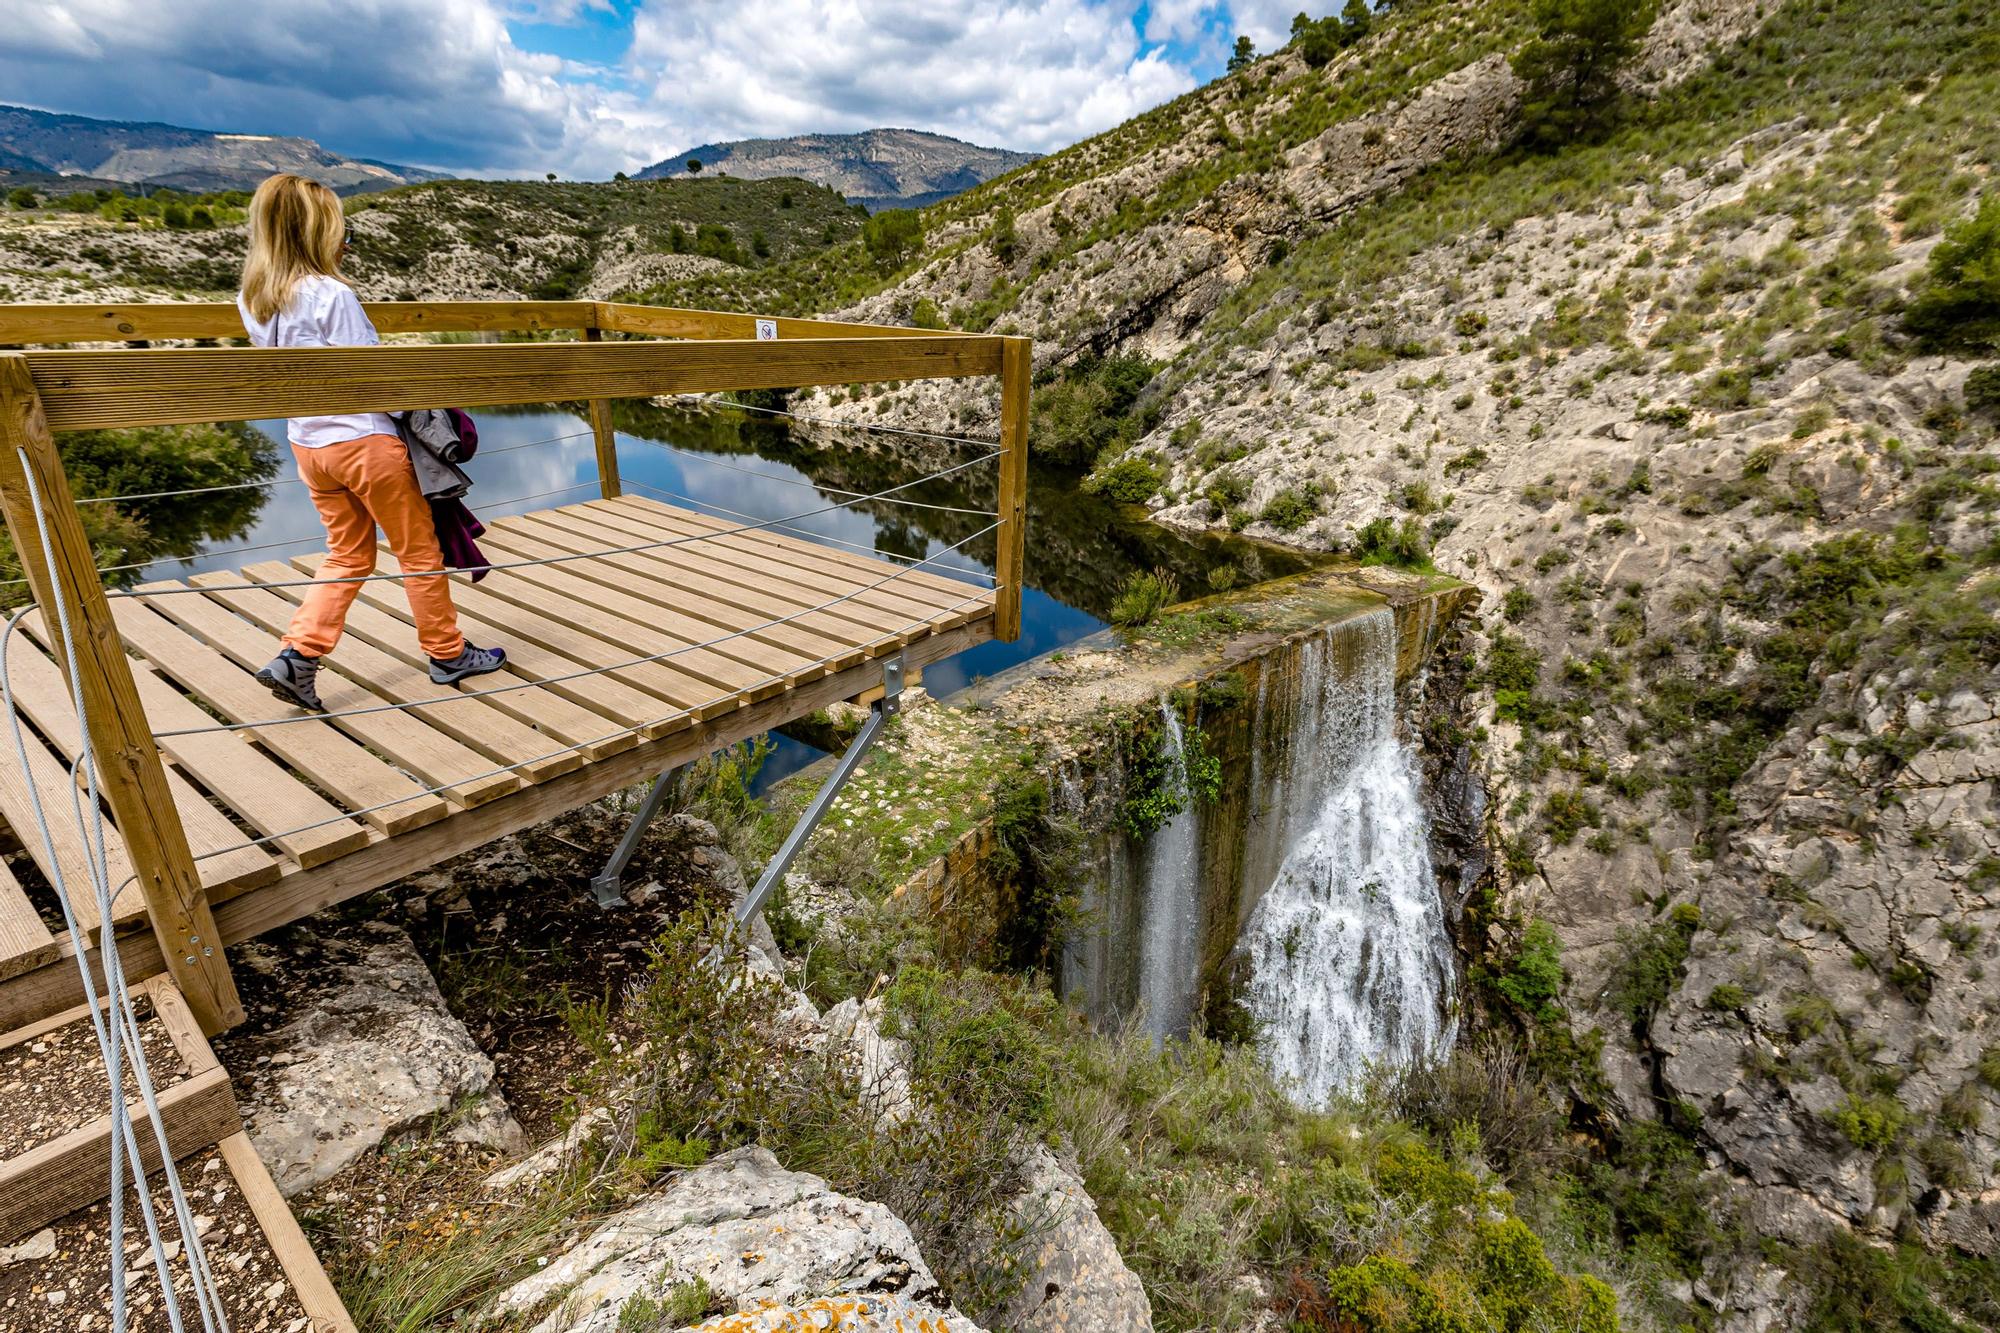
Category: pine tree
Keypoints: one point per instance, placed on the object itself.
(1244, 55)
(1571, 68)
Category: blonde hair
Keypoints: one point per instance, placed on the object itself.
(296, 229)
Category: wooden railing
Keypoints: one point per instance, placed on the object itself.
(44, 391)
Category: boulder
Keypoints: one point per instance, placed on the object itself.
(371, 1052)
(764, 1239)
(1075, 1279)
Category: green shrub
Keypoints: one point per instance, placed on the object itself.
(1130, 480)
(1518, 604)
(1982, 392)
(1384, 541)
(1871, 1123)
(1291, 509)
(893, 237)
(1728, 998)
(1092, 408)
(1038, 853)
(1959, 306)
(1534, 977)
(1654, 957)
(1514, 674)
(1565, 813)
(1159, 785)
(1145, 594)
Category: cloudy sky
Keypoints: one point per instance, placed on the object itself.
(588, 87)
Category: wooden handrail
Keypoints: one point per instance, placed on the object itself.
(161, 386)
(53, 325)
(42, 325)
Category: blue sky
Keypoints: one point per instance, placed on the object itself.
(589, 87)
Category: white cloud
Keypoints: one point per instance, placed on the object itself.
(1031, 74)
(442, 82)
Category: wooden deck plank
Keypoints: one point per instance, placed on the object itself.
(227, 861)
(764, 667)
(650, 593)
(265, 796)
(548, 712)
(50, 780)
(25, 943)
(464, 775)
(507, 624)
(815, 554)
(911, 593)
(941, 607)
(621, 640)
(344, 770)
(723, 594)
(609, 695)
(763, 588)
(464, 717)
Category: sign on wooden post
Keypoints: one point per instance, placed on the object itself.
(130, 775)
(1016, 374)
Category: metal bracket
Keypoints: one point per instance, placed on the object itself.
(607, 884)
(879, 714)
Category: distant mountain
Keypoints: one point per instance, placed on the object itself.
(879, 168)
(185, 159)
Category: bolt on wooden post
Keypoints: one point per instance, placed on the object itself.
(130, 775)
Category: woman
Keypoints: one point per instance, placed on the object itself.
(354, 465)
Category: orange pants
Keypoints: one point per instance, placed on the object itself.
(355, 485)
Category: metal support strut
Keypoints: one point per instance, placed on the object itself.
(607, 883)
(879, 714)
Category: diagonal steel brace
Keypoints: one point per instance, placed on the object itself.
(879, 714)
(606, 884)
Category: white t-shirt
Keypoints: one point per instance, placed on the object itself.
(324, 313)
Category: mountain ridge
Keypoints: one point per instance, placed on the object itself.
(880, 168)
(160, 155)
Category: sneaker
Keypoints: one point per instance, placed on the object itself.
(469, 662)
(291, 676)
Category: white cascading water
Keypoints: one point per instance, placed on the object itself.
(1170, 933)
(1351, 965)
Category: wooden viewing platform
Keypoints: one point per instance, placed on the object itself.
(639, 635)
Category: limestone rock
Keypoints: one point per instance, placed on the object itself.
(372, 1052)
(757, 1234)
(1076, 1282)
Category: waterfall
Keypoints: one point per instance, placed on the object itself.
(1170, 929)
(1350, 961)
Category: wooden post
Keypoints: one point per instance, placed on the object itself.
(129, 771)
(607, 439)
(1016, 375)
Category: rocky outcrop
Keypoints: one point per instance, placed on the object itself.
(757, 1235)
(368, 1051)
(1073, 1278)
